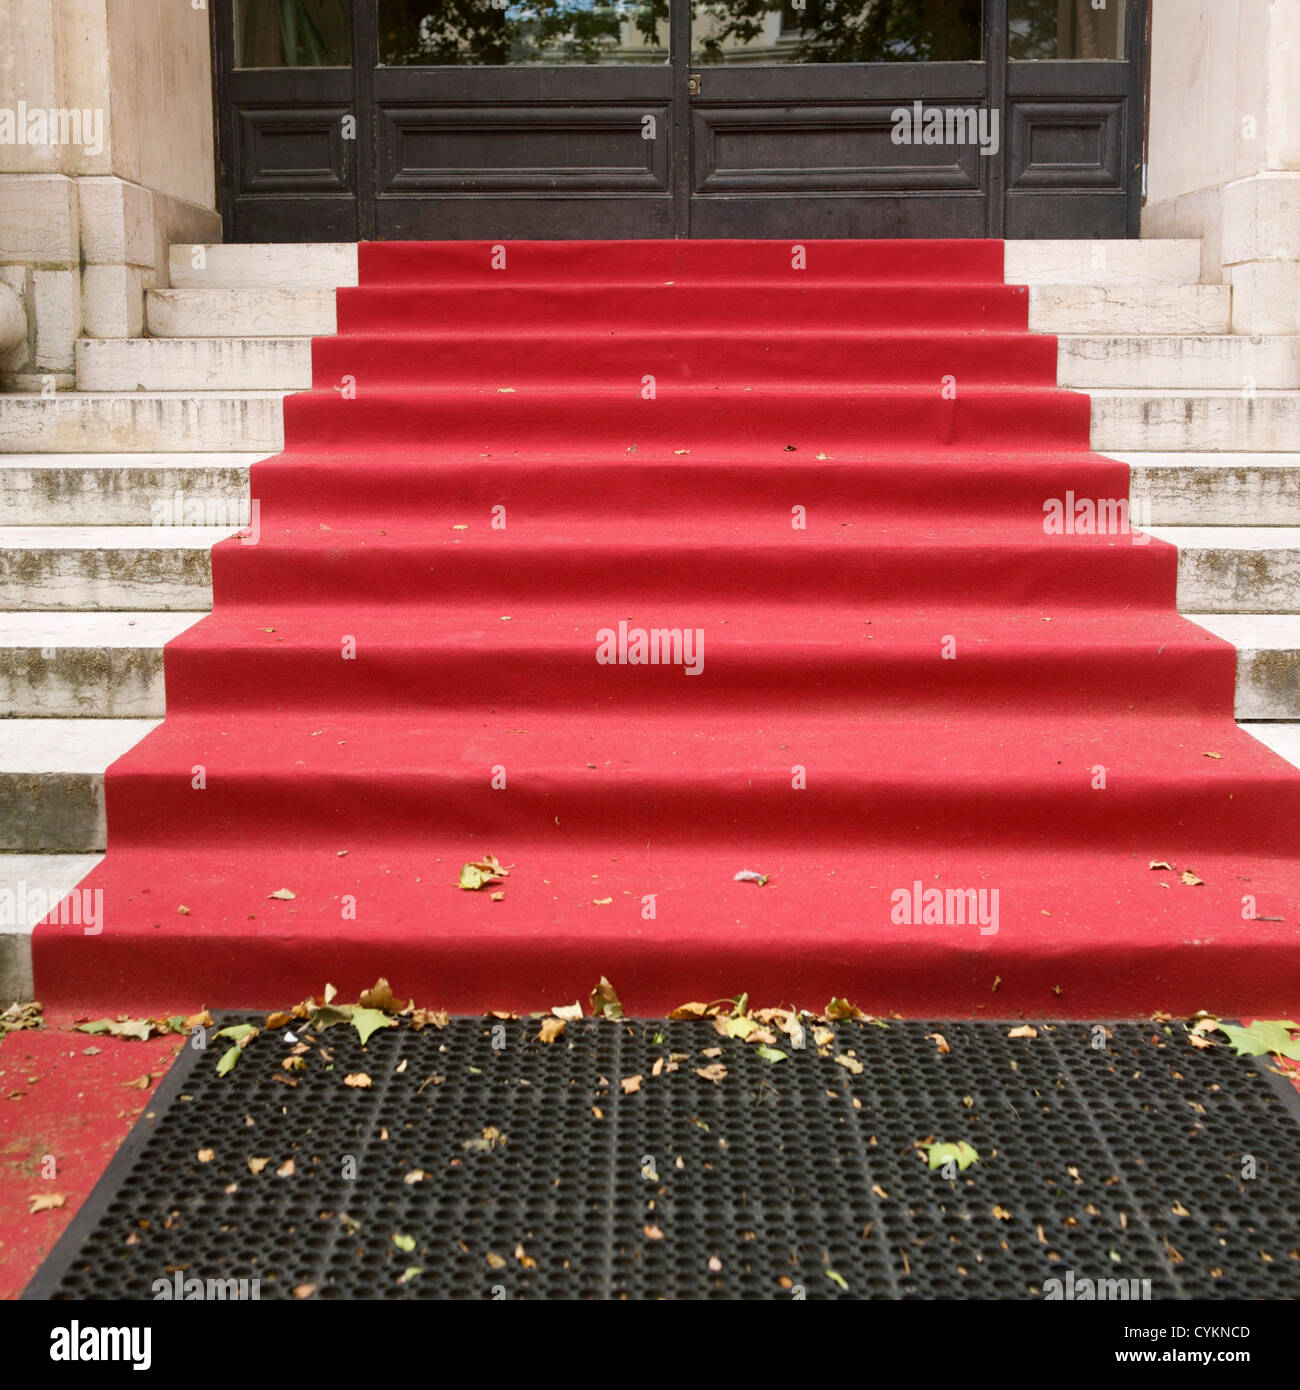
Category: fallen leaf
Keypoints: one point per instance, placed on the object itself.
(652, 1232)
(414, 1176)
(366, 1021)
(550, 1030)
(1190, 879)
(772, 1054)
(631, 1084)
(686, 1012)
(841, 1011)
(714, 1072)
(959, 1153)
(524, 1258)
(837, 1278)
(138, 1028)
(1159, 864)
(380, 996)
(256, 1165)
(850, 1064)
(45, 1201)
(604, 1001)
(495, 1261)
(283, 894)
(749, 876)
(940, 1042)
(570, 1013)
(1263, 1036)
(286, 1169)
(1024, 1031)
(277, 1020)
(404, 1243)
(1002, 1213)
(303, 1290)
(477, 873)
(206, 1155)
(358, 1080)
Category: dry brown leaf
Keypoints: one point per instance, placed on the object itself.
(1160, 866)
(631, 1084)
(652, 1232)
(570, 1013)
(524, 1258)
(255, 1165)
(850, 1064)
(495, 1261)
(277, 1020)
(684, 1013)
(550, 1030)
(304, 1290)
(357, 1079)
(206, 1155)
(1190, 879)
(286, 1169)
(45, 1201)
(714, 1072)
(415, 1175)
(1002, 1213)
(1024, 1031)
(940, 1042)
(880, 1191)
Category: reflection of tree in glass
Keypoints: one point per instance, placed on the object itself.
(472, 32)
(849, 31)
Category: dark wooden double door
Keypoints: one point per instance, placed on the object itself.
(450, 119)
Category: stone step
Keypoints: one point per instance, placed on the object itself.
(239, 313)
(193, 364)
(1236, 569)
(84, 422)
(1214, 489)
(325, 265)
(1186, 362)
(1197, 421)
(1283, 739)
(122, 489)
(57, 568)
(1268, 660)
(1129, 309)
(1151, 262)
(319, 265)
(30, 885)
(52, 781)
(85, 665)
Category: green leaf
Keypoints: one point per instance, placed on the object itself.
(228, 1059)
(412, 1273)
(405, 1243)
(237, 1032)
(365, 1021)
(1263, 1036)
(960, 1153)
(739, 1027)
(771, 1054)
(329, 1014)
(837, 1278)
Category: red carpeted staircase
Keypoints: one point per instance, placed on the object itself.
(832, 462)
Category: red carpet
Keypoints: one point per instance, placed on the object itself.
(945, 680)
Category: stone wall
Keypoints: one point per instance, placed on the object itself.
(1223, 160)
(89, 204)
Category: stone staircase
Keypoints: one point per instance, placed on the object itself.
(96, 576)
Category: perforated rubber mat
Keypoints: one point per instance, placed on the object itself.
(482, 1163)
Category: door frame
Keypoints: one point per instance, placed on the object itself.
(335, 195)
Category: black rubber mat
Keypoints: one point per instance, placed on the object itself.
(481, 1163)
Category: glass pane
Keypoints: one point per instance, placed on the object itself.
(1066, 29)
(293, 33)
(835, 31)
(498, 33)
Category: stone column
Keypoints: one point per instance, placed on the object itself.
(1223, 161)
(106, 156)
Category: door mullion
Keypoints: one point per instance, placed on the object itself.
(995, 60)
(679, 49)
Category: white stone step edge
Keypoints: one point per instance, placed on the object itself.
(328, 265)
(121, 489)
(31, 885)
(1168, 361)
(1268, 661)
(194, 364)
